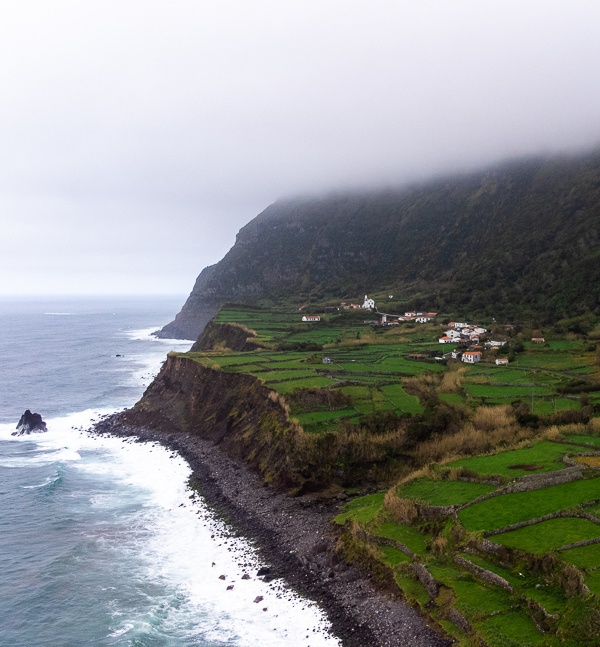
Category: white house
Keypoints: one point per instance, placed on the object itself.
(423, 319)
(311, 318)
(446, 340)
(471, 356)
(501, 360)
(368, 304)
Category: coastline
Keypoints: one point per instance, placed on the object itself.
(296, 538)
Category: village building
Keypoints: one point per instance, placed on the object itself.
(446, 340)
(311, 318)
(538, 340)
(368, 304)
(500, 361)
(471, 356)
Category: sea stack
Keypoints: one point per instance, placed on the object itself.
(30, 423)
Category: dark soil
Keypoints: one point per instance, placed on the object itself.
(527, 467)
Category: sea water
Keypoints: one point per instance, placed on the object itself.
(100, 540)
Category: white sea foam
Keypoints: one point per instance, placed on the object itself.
(146, 334)
(178, 545)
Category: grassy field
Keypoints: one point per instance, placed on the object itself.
(507, 509)
(443, 492)
(382, 360)
(541, 457)
(498, 617)
(549, 535)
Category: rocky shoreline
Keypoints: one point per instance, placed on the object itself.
(296, 538)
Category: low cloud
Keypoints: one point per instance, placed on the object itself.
(143, 135)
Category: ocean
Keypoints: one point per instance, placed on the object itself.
(101, 541)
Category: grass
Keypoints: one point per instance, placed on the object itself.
(511, 629)
(549, 535)
(323, 416)
(401, 400)
(393, 556)
(541, 457)
(443, 492)
(584, 556)
(362, 509)
(304, 383)
(407, 535)
(507, 509)
(413, 589)
(592, 441)
(452, 398)
(593, 581)
(474, 599)
(512, 391)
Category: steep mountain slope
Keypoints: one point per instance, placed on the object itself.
(521, 240)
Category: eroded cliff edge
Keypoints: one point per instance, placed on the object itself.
(220, 421)
(248, 421)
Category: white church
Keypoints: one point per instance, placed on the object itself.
(368, 304)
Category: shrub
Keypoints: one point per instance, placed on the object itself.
(401, 510)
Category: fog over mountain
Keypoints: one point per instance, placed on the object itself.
(138, 137)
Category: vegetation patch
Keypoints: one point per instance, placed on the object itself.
(407, 535)
(362, 509)
(583, 556)
(444, 492)
(507, 509)
(544, 456)
(549, 535)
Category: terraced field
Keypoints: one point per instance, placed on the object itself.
(483, 580)
(509, 543)
(371, 365)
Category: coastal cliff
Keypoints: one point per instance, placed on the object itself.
(236, 434)
(247, 420)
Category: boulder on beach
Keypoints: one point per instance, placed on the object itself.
(30, 423)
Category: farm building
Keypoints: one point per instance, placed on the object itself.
(501, 360)
(311, 318)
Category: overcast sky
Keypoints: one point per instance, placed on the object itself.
(138, 136)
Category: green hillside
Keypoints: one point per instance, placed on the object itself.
(521, 241)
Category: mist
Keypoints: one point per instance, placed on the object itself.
(138, 137)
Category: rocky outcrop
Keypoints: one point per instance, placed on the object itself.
(220, 336)
(30, 423)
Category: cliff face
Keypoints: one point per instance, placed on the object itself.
(232, 336)
(519, 240)
(246, 419)
(250, 423)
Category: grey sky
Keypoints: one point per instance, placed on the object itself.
(139, 136)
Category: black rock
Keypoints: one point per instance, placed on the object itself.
(264, 570)
(30, 423)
